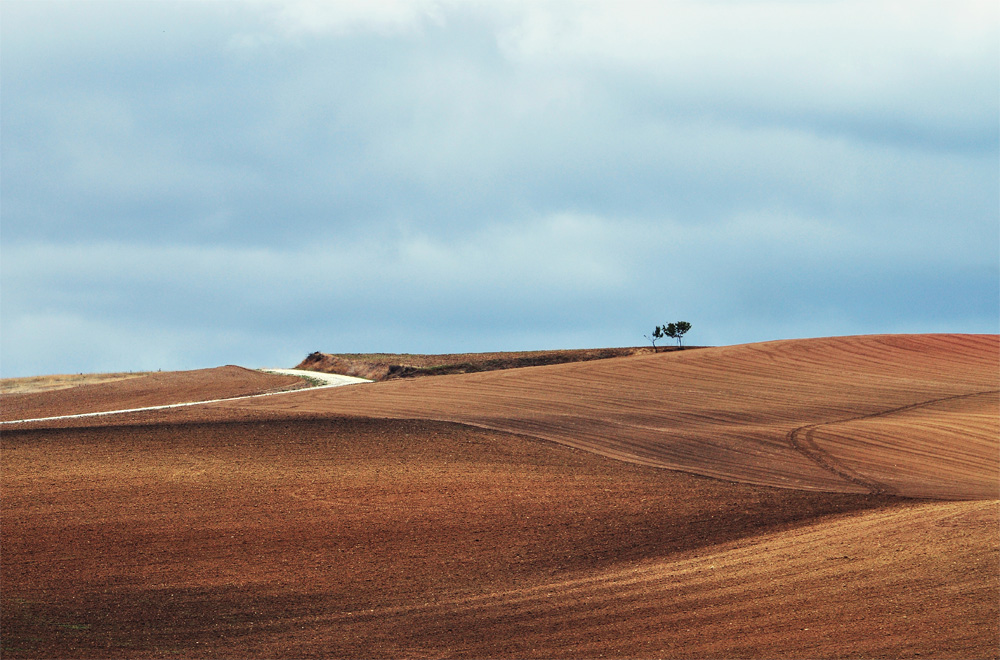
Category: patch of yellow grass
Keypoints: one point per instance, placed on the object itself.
(31, 384)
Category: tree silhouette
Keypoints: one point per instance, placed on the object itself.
(657, 334)
(676, 331)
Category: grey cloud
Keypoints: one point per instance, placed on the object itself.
(482, 176)
(910, 72)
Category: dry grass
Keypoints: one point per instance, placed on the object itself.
(31, 384)
(390, 366)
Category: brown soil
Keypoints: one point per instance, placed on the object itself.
(153, 389)
(367, 538)
(280, 527)
(389, 366)
(760, 413)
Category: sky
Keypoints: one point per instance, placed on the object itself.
(190, 184)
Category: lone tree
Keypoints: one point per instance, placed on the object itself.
(657, 334)
(676, 331)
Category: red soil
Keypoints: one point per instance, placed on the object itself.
(154, 389)
(281, 528)
(759, 413)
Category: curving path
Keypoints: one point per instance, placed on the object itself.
(328, 380)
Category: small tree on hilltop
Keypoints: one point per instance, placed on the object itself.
(676, 331)
(657, 334)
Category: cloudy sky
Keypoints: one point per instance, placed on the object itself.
(191, 184)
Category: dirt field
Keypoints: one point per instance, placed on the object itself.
(152, 389)
(763, 413)
(293, 527)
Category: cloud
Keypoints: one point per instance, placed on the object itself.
(564, 279)
(447, 176)
(387, 17)
(910, 71)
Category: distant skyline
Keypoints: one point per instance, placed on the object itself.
(192, 184)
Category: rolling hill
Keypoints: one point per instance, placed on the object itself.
(853, 414)
(824, 498)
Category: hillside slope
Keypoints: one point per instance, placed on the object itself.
(917, 581)
(347, 537)
(151, 389)
(295, 526)
(390, 366)
(843, 414)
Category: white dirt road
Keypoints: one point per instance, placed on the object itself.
(330, 380)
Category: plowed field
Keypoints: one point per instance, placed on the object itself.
(525, 513)
(764, 413)
(153, 389)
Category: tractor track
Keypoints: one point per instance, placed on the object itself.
(801, 440)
